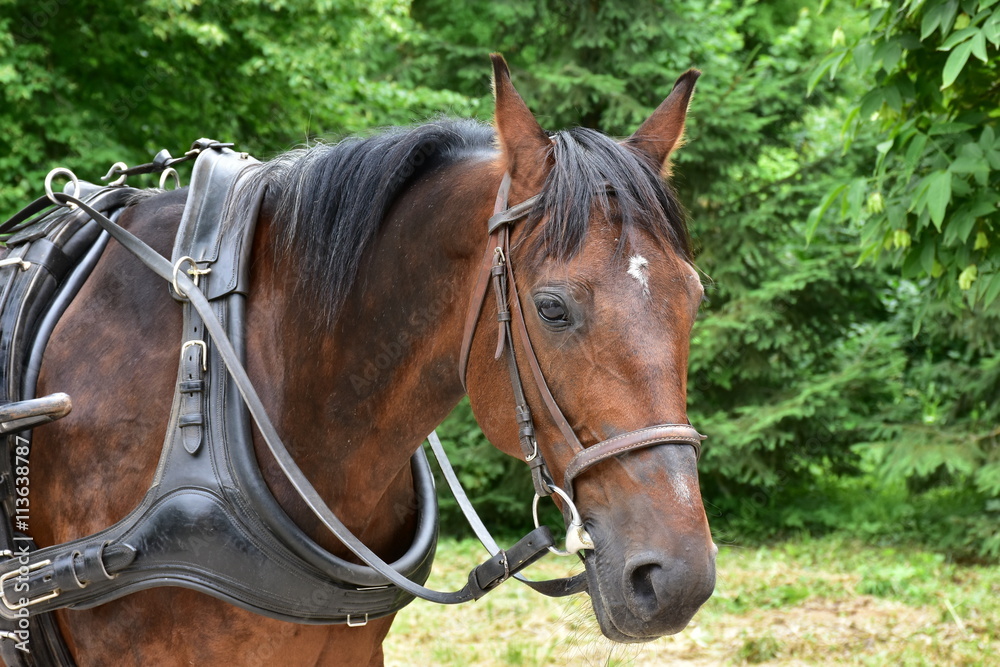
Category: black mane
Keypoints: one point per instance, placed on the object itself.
(332, 198)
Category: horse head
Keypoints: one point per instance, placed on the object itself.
(608, 293)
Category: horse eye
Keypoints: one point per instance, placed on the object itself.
(552, 310)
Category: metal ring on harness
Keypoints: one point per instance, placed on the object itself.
(194, 272)
(170, 171)
(577, 537)
(61, 171)
(116, 168)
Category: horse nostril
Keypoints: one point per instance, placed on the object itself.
(643, 582)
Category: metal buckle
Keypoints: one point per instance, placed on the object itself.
(356, 624)
(29, 603)
(204, 352)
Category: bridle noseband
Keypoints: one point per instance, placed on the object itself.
(496, 269)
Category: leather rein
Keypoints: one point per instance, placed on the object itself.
(497, 271)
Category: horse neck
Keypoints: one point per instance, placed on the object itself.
(353, 401)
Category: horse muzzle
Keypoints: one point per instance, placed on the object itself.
(653, 595)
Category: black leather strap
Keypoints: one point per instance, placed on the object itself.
(549, 587)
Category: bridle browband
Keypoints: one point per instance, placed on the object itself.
(496, 269)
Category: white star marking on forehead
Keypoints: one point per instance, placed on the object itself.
(638, 268)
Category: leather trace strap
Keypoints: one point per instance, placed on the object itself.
(164, 160)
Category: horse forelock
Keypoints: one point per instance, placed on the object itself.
(592, 172)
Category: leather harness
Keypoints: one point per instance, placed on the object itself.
(209, 522)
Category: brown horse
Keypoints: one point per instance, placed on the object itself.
(368, 251)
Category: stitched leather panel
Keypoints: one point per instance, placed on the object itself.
(664, 434)
(202, 235)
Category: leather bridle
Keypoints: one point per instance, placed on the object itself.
(496, 269)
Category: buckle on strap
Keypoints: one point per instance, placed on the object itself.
(27, 602)
(508, 562)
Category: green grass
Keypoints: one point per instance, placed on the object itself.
(805, 602)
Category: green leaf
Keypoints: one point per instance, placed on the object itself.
(970, 159)
(949, 128)
(956, 62)
(957, 37)
(927, 257)
(938, 196)
(817, 213)
(948, 16)
(855, 198)
(991, 29)
(871, 102)
(893, 98)
(862, 56)
(889, 53)
(991, 290)
(979, 45)
(959, 226)
(914, 152)
(822, 69)
(931, 20)
(987, 138)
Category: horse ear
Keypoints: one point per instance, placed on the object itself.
(663, 132)
(525, 145)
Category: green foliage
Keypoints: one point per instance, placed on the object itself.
(756, 650)
(120, 81)
(931, 201)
